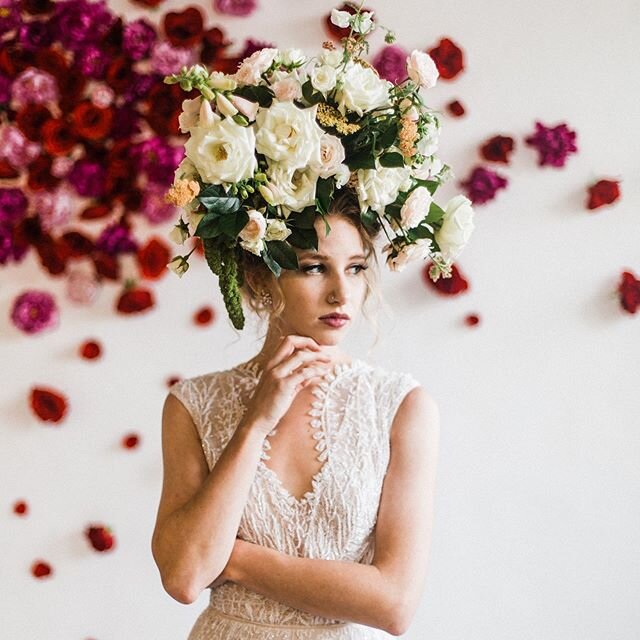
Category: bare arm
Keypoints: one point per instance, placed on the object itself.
(200, 511)
(386, 593)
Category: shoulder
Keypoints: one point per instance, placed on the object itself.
(193, 391)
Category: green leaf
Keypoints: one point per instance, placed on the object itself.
(303, 219)
(363, 160)
(232, 224)
(221, 205)
(370, 220)
(208, 227)
(431, 185)
(324, 191)
(270, 262)
(435, 214)
(311, 96)
(388, 137)
(304, 238)
(211, 190)
(283, 253)
(260, 94)
(392, 159)
(421, 232)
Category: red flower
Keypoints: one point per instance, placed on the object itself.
(96, 211)
(92, 122)
(497, 149)
(77, 244)
(58, 137)
(53, 62)
(119, 74)
(172, 380)
(54, 255)
(214, 43)
(455, 108)
(30, 120)
(184, 28)
(448, 286)
(40, 176)
(7, 172)
(131, 441)
(41, 569)
(100, 537)
(153, 259)
(48, 405)
(135, 300)
(472, 319)
(111, 42)
(448, 57)
(603, 192)
(90, 350)
(629, 292)
(20, 508)
(14, 59)
(164, 105)
(106, 266)
(204, 316)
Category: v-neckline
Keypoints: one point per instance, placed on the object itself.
(321, 391)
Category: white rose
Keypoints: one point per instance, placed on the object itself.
(415, 208)
(332, 155)
(457, 227)
(221, 81)
(255, 228)
(223, 152)
(288, 134)
(361, 90)
(340, 18)
(331, 57)
(189, 116)
(430, 168)
(428, 144)
(422, 69)
(288, 88)
(297, 187)
(292, 56)
(277, 230)
(421, 248)
(342, 176)
(323, 78)
(252, 68)
(377, 188)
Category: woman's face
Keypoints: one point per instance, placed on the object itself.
(334, 283)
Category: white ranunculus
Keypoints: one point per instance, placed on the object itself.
(323, 78)
(340, 18)
(331, 57)
(255, 228)
(288, 135)
(379, 187)
(415, 208)
(277, 230)
(292, 56)
(361, 90)
(252, 68)
(421, 248)
(457, 227)
(422, 69)
(221, 81)
(223, 152)
(189, 116)
(332, 155)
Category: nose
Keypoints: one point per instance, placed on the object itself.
(339, 289)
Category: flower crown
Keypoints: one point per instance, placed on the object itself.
(270, 145)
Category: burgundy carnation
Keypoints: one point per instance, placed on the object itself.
(497, 149)
(184, 28)
(629, 292)
(135, 300)
(448, 57)
(34, 311)
(100, 537)
(153, 259)
(482, 185)
(48, 405)
(603, 192)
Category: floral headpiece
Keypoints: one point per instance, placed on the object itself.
(270, 146)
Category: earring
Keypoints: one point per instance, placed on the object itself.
(265, 297)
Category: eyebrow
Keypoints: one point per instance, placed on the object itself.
(308, 254)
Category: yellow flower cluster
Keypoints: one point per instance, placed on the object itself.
(182, 192)
(328, 116)
(408, 135)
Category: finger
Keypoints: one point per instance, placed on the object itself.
(298, 361)
(289, 344)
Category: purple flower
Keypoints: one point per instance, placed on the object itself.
(125, 123)
(483, 184)
(88, 178)
(157, 159)
(35, 34)
(116, 239)
(33, 311)
(166, 59)
(154, 207)
(391, 63)
(138, 38)
(235, 7)
(139, 87)
(553, 144)
(92, 62)
(35, 86)
(13, 205)
(77, 23)
(5, 89)
(9, 15)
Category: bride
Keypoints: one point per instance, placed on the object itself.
(299, 485)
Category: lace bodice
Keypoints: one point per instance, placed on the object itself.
(352, 413)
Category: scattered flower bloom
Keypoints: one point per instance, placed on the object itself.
(34, 311)
(138, 38)
(116, 239)
(100, 537)
(603, 192)
(629, 292)
(48, 404)
(454, 285)
(55, 208)
(135, 300)
(13, 205)
(482, 185)
(82, 287)
(554, 144)
(153, 258)
(235, 7)
(20, 508)
(455, 108)
(131, 441)
(497, 149)
(472, 319)
(172, 380)
(34, 86)
(166, 59)
(41, 569)
(15, 147)
(204, 316)
(90, 350)
(391, 63)
(448, 58)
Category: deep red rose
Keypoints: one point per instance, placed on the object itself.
(58, 137)
(29, 231)
(20, 508)
(163, 107)
(53, 62)
(36, 7)
(7, 172)
(135, 300)
(90, 350)
(96, 211)
(106, 266)
(92, 122)
(119, 73)
(54, 255)
(72, 88)
(497, 149)
(111, 42)
(603, 192)
(131, 441)
(455, 108)
(448, 286)
(14, 58)
(77, 243)
(31, 119)
(472, 319)
(40, 176)
(184, 28)
(153, 259)
(629, 292)
(204, 316)
(48, 405)
(100, 537)
(215, 62)
(40, 569)
(119, 162)
(448, 57)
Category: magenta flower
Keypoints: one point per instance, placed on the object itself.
(483, 184)
(92, 62)
(391, 63)
(88, 178)
(157, 159)
(34, 311)
(137, 38)
(116, 239)
(166, 59)
(9, 15)
(554, 144)
(77, 23)
(139, 86)
(154, 207)
(35, 86)
(13, 205)
(125, 122)
(16, 148)
(35, 35)
(5, 89)
(235, 7)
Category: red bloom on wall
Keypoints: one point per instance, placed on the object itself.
(153, 259)
(58, 136)
(30, 120)
(90, 350)
(48, 405)
(135, 300)
(455, 108)
(131, 441)
(629, 292)
(40, 569)
(452, 286)
(497, 149)
(92, 122)
(100, 537)
(184, 28)
(448, 57)
(204, 316)
(334, 30)
(603, 192)
(20, 508)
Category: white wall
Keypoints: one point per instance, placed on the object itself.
(537, 519)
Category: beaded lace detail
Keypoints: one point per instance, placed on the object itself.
(352, 414)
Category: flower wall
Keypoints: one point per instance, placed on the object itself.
(531, 348)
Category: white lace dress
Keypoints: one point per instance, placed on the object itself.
(352, 414)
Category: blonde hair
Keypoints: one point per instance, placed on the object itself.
(346, 205)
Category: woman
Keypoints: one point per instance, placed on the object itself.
(281, 473)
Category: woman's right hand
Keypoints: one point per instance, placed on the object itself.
(295, 362)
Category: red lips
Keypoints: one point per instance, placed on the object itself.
(341, 316)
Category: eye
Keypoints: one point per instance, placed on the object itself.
(311, 266)
(361, 267)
